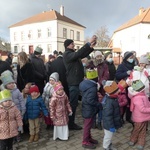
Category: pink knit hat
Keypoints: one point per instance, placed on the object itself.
(57, 86)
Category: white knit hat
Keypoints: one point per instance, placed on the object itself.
(144, 60)
(97, 53)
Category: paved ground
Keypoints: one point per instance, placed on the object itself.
(46, 142)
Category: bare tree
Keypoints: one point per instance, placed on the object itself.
(103, 37)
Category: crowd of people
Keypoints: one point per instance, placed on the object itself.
(31, 89)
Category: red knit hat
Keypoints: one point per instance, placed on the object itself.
(57, 86)
(34, 88)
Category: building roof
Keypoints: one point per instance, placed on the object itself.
(46, 16)
(142, 17)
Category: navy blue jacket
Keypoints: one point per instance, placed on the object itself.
(90, 104)
(34, 107)
(111, 113)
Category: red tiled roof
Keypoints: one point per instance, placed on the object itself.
(46, 16)
(144, 17)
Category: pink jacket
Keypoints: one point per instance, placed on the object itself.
(59, 109)
(122, 99)
(10, 120)
(140, 108)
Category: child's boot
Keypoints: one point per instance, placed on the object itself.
(31, 139)
(36, 138)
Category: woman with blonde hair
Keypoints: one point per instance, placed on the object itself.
(25, 71)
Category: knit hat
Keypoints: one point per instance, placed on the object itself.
(138, 85)
(51, 56)
(91, 73)
(57, 86)
(97, 53)
(5, 95)
(34, 88)
(39, 50)
(110, 87)
(6, 78)
(54, 76)
(127, 55)
(15, 60)
(67, 42)
(144, 60)
(107, 54)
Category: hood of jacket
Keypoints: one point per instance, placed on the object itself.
(87, 84)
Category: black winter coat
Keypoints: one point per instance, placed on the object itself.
(58, 66)
(39, 68)
(90, 103)
(25, 75)
(111, 113)
(73, 64)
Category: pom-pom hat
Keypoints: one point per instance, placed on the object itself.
(5, 95)
(34, 88)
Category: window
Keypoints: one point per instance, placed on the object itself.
(72, 34)
(49, 48)
(15, 49)
(39, 33)
(49, 32)
(15, 36)
(64, 33)
(78, 35)
(149, 36)
(30, 34)
(22, 36)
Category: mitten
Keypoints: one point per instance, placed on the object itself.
(112, 130)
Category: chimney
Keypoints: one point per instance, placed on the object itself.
(62, 10)
(141, 10)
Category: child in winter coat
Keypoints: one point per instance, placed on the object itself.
(140, 107)
(47, 94)
(34, 106)
(10, 120)
(90, 107)
(122, 99)
(9, 84)
(60, 109)
(111, 113)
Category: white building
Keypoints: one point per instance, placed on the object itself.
(134, 35)
(48, 30)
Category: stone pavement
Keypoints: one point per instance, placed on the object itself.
(46, 141)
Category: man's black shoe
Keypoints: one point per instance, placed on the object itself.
(75, 127)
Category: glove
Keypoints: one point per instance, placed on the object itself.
(112, 130)
(20, 128)
(128, 72)
(70, 114)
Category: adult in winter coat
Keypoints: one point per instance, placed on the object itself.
(111, 66)
(9, 58)
(75, 72)
(39, 69)
(58, 66)
(123, 72)
(25, 71)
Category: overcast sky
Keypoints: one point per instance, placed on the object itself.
(90, 13)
